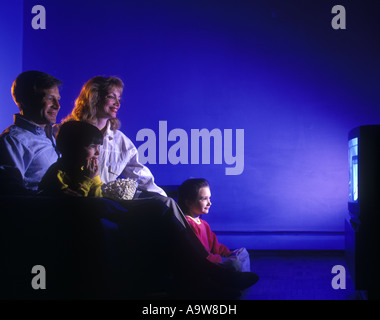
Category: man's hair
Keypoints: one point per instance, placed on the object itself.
(92, 97)
(72, 136)
(188, 191)
(28, 86)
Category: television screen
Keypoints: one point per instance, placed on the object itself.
(353, 192)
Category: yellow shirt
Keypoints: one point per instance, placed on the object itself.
(86, 186)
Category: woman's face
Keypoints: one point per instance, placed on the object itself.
(111, 104)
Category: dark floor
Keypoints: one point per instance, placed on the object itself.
(298, 275)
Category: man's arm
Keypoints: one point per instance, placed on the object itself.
(12, 166)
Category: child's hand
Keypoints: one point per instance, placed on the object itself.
(91, 170)
(233, 253)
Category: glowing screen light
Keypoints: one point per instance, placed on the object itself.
(353, 193)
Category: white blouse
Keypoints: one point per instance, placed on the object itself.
(119, 156)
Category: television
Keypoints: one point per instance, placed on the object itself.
(364, 171)
(362, 226)
(353, 192)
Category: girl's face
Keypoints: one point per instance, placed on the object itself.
(111, 104)
(201, 204)
(91, 152)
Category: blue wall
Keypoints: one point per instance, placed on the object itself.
(11, 31)
(275, 69)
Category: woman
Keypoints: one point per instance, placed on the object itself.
(98, 104)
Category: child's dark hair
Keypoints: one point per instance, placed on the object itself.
(74, 135)
(189, 189)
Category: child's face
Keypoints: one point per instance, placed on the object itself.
(202, 203)
(91, 152)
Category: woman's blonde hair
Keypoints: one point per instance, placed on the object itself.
(91, 97)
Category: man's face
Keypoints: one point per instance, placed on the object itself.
(49, 106)
(45, 110)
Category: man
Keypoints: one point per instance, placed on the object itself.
(27, 148)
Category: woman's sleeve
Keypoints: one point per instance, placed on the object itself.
(134, 169)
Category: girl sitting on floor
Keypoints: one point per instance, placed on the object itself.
(194, 199)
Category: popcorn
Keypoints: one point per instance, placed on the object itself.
(120, 189)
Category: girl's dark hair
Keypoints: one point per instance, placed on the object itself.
(188, 191)
(74, 135)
